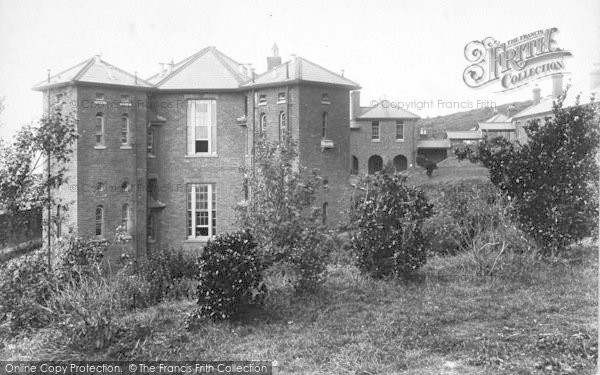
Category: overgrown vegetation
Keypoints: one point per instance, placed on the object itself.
(279, 214)
(553, 179)
(389, 218)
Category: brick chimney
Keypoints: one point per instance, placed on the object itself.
(354, 104)
(537, 95)
(557, 85)
(275, 60)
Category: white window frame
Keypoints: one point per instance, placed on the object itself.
(126, 217)
(192, 127)
(150, 139)
(191, 204)
(125, 144)
(100, 144)
(262, 99)
(281, 98)
(375, 125)
(400, 123)
(263, 124)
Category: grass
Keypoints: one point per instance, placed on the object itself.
(450, 170)
(440, 322)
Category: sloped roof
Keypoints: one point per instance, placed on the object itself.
(301, 69)
(207, 69)
(387, 112)
(498, 117)
(496, 126)
(546, 105)
(434, 143)
(94, 70)
(470, 134)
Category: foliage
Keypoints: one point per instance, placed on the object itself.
(389, 218)
(79, 258)
(169, 273)
(553, 179)
(25, 286)
(230, 277)
(427, 164)
(279, 213)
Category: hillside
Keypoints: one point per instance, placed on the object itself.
(465, 120)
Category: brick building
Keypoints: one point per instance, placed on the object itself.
(161, 157)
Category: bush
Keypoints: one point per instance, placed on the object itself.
(79, 258)
(169, 273)
(389, 218)
(231, 276)
(553, 179)
(280, 215)
(25, 287)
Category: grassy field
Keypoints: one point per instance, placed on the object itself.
(441, 322)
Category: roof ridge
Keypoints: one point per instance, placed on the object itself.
(221, 57)
(124, 72)
(329, 71)
(84, 62)
(190, 60)
(85, 68)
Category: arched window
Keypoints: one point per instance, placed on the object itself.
(99, 221)
(99, 131)
(354, 168)
(325, 213)
(263, 124)
(400, 163)
(282, 125)
(125, 218)
(324, 121)
(125, 130)
(375, 164)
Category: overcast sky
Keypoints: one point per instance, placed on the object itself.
(400, 50)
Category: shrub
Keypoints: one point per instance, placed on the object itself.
(230, 277)
(79, 258)
(279, 214)
(553, 179)
(427, 164)
(25, 287)
(169, 273)
(389, 218)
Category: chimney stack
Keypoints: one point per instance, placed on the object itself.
(557, 85)
(275, 60)
(354, 104)
(537, 95)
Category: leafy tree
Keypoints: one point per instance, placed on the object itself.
(389, 219)
(279, 213)
(35, 164)
(553, 178)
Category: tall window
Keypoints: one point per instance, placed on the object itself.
(324, 121)
(125, 130)
(99, 221)
(151, 227)
(202, 127)
(125, 218)
(201, 211)
(375, 130)
(150, 140)
(99, 129)
(399, 130)
(263, 124)
(282, 125)
(324, 218)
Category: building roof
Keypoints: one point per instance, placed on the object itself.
(496, 126)
(387, 112)
(434, 143)
(208, 69)
(466, 135)
(544, 106)
(300, 69)
(498, 117)
(94, 70)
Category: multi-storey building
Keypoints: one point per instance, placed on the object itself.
(161, 157)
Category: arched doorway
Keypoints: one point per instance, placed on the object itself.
(400, 163)
(375, 164)
(354, 168)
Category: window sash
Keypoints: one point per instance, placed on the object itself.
(201, 211)
(99, 130)
(399, 130)
(99, 221)
(324, 126)
(375, 130)
(150, 140)
(202, 127)
(124, 130)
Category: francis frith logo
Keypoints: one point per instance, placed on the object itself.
(516, 62)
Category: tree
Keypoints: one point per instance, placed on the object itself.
(552, 179)
(279, 213)
(35, 164)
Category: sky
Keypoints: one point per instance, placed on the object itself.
(402, 51)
